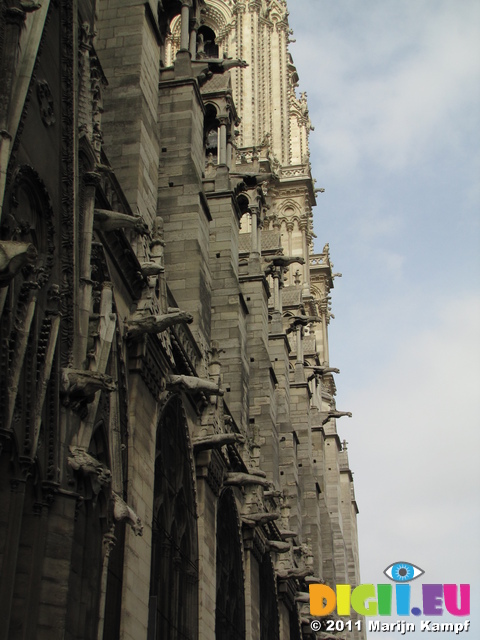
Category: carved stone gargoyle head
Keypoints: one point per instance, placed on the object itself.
(79, 386)
(14, 256)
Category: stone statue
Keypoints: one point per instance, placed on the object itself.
(121, 511)
(216, 441)
(137, 327)
(106, 220)
(13, 256)
(193, 384)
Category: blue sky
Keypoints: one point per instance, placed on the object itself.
(394, 94)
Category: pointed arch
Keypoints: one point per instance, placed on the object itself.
(174, 563)
(230, 598)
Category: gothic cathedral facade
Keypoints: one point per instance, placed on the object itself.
(170, 466)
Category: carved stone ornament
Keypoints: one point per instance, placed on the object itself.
(294, 572)
(216, 441)
(193, 384)
(278, 546)
(151, 269)
(259, 519)
(99, 474)
(242, 479)
(121, 511)
(45, 102)
(106, 220)
(334, 414)
(13, 256)
(138, 327)
(82, 384)
(285, 261)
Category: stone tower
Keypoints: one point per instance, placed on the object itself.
(169, 459)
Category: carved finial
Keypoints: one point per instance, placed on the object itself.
(344, 445)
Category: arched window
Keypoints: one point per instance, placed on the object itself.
(230, 600)
(269, 621)
(206, 43)
(174, 569)
(211, 134)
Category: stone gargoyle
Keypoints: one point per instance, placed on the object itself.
(278, 546)
(301, 321)
(151, 269)
(294, 572)
(302, 596)
(273, 493)
(106, 220)
(99, 474)
(137, 327)
(320, 371)
(84, 384)
(285, 261)
(243, 181)
(193, 384)
(14, 256)
(335, 414)
(217, 440)
(287, 533)
(121, 511)
(314, 580)
(238, 479)
(258, 519)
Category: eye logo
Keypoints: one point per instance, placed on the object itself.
(403, 572)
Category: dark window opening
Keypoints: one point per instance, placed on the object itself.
(206, 45)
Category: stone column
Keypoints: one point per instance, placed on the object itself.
(185, 26)
(289, 226)
(194, 24)
(306, 269)
(9, 567)
(222, 140)
(108, 544)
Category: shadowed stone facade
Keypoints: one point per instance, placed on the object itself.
(169, 459)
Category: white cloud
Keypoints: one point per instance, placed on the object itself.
(391, 79)
(415, 443)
